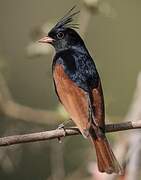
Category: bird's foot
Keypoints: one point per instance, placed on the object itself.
(62, 126)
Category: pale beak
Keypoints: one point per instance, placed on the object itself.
(46, 39)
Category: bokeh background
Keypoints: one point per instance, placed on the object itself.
(111, 30)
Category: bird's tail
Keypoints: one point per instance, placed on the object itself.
(105, 157)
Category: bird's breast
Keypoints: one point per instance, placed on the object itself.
(74, 99)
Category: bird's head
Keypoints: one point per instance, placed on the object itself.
(63, 35)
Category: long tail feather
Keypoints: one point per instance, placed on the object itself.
(105, 157)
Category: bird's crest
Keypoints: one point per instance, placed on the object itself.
(67, 19)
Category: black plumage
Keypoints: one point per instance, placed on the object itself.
(79, 89)
(79, 67)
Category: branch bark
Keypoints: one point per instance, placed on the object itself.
(58, 133)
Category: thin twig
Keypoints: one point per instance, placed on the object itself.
(58, 133)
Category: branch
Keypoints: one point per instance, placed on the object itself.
(58, 133)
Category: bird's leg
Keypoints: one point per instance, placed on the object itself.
(62, 125)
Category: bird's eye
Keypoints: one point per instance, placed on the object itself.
(60, 35)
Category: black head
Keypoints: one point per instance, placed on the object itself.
(63, 35)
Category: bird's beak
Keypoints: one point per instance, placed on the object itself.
(46, 39)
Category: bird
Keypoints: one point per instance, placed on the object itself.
(79, 88)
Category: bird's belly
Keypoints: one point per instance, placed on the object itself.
(72, 97)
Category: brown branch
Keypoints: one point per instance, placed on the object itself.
(58, 133)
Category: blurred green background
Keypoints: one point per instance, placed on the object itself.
(113, 38)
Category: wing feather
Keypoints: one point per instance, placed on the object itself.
(74, 100)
